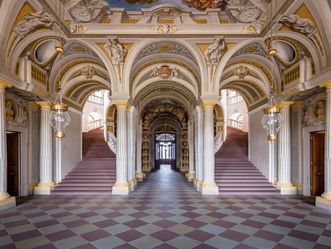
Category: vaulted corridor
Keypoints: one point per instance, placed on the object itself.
(165, 212)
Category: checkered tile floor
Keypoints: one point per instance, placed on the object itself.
(165, 212)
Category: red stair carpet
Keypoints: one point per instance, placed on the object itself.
(234, 173)
(96, 173)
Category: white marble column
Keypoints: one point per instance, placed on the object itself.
(325, 200)
(209, 186)
(46, 183)
(272, 162)
(284, 152)
(131, 148)
(139, 173)
(58, 161)
(190, 131)
(199, 147)
(5, 200)
(121, 187)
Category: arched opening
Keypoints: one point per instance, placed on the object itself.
(165, 150)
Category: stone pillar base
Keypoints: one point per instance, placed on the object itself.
(6, 201)
(132, 185)
(43, 188)
(139, 176)
(190, 176)
(198, 185)
(121, 188)
(324, 201)
(287, 188)
(184, 170)
(209, 188)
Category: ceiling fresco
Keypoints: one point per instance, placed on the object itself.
(134, 5)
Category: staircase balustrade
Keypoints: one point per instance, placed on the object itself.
(112, 141)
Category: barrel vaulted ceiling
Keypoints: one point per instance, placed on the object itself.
(165, 45)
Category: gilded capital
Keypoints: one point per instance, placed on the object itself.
(4, 84)
(44, 105)
(285, 104)
(121, 104)
(327, 84)
(209, 103)
(297, 104)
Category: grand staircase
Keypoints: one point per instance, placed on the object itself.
(234, 173)
(96, 173)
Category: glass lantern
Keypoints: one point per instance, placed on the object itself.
(59, 119)
(271, 120)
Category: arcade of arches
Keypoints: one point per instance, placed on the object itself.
(153, 83)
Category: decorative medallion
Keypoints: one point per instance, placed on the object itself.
(166, 28)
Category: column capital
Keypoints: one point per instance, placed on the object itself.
(326, 84)
(208, 103)
(297, 104)
(121, 104)
(285, 104)
(44, 105)
(4, 84)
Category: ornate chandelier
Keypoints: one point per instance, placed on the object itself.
(59, 116)
(271, 119)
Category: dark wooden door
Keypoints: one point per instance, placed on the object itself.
(317, 163)
(13, 163)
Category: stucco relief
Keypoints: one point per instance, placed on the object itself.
(299, 24)
(87, 10)
(215, 51)
(165, 47)
(16, 111)
(32, 22)
(166, 72)
(314, 111)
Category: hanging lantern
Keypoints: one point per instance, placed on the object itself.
(271, 119)
(59, 117)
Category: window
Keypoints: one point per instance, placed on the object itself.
(165, 146)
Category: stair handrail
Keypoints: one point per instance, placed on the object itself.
(112, 141)
(218, 141)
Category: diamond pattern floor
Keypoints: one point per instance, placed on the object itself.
(165, 212)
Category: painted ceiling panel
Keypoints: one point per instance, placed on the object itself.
(134, 5)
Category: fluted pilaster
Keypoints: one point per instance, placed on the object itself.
(325, 200)
(209, 186)
(5, 200)
(121, 187)
(45, 160)
(284, 152)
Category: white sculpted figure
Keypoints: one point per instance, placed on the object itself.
(117, 51)
(33, 21)
(215, 51)
(299, 24)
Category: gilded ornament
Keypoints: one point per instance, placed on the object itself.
(10, 111)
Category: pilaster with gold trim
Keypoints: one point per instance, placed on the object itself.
(284, 152)
(46, 183)
(5, 200)
(325, 200)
